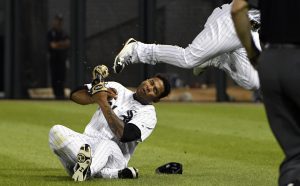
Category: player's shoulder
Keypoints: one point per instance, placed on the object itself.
(113, 84)
(119, 87)
(148, 109)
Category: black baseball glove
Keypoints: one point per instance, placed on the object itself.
(170, 168)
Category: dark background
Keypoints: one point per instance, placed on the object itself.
(98, 29)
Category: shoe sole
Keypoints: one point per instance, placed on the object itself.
(117, 58)
(83, 163)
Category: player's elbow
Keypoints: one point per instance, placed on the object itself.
(237, 7)
(81, 96)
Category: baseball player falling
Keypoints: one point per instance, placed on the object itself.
(123, 119)
(217, 45)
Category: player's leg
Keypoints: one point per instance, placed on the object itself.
(65, 143)
(217, 37)
(109, 162)
(107, 154)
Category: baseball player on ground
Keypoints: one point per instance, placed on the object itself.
(124, 118)
(217, 45)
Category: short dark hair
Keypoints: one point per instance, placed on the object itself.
(167, 85)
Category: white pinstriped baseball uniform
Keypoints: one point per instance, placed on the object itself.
(216, 39)
(108, 154)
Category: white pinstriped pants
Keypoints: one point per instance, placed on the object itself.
(107, 157)
(217, 37)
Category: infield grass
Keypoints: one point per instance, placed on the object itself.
(218, 144)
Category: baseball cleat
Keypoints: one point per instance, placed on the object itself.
(128, 173)
(125, 56)
(84, 160)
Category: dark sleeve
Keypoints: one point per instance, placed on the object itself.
(253, 3)
(131, 133)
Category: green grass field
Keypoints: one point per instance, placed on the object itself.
(218, 144)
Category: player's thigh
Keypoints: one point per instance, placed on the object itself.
(64, 139)
(213, 41)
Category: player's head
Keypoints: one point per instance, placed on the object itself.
(153, 89)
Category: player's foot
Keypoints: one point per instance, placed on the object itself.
(84, 160)
(215, 62)
(125, 56)
(128, 173)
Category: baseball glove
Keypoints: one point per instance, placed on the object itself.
(99, 73)
(170, 168)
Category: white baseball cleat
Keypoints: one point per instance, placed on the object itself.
(128, 173)
(84, 160)
(125, 56)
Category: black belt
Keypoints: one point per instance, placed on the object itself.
(281, 46)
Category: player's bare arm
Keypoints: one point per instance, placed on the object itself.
(116, 125)
(242, 25)
(81, 96)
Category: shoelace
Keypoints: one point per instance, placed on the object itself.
(127, 60)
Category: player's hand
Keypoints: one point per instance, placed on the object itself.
(112, 94)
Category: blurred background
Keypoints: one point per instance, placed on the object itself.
(97, 30)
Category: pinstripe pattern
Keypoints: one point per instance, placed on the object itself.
(108, 154)
(65, 143)
(236, 65)
(217, 38)
(143, 116)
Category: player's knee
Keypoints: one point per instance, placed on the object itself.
(55, 129)
(55, 135)
(191, 59)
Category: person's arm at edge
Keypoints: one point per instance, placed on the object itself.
(242, 26)
(115, 124)
(81, 96)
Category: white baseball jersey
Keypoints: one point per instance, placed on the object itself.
(108, 154)
(130, 111)
(217, 38)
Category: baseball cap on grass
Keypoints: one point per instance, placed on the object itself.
(170, 168)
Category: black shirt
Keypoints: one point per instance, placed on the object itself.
(55, 35)
(280, 20)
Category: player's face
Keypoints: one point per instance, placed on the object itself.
(150, 89)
